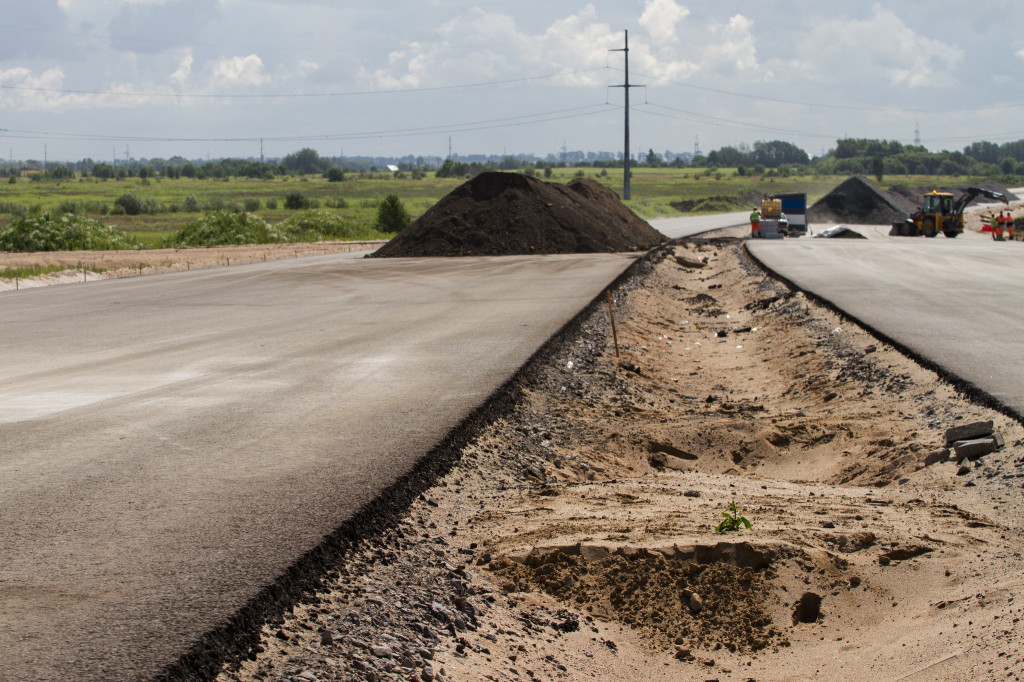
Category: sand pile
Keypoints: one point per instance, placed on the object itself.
(504, 214)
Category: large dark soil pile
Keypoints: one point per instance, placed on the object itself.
(505, 214)
(861, 202)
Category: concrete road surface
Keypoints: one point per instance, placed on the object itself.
(171, 444)
(690, 225)
(956, 302)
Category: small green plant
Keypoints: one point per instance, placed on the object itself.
(732, 521)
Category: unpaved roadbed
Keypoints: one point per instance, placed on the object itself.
(575, 538)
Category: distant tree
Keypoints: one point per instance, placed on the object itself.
(305, 161)
(653, 159)
(335, 175)
(391, 215)
(104, 171)
(877, 167)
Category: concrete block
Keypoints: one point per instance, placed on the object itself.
(973, 449)
(968, 431)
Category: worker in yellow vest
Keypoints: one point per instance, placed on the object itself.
(755, 222)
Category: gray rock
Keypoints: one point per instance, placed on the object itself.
(696, 603)
(973, 449)
(382, 651)
(427, 673)
(964, 468)
(937, 457)
(968, 431)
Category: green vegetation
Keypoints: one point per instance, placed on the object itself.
(310, 197)
(36, 270)
(225, 227)
(733, 520)
(67, 232)
(391, 215)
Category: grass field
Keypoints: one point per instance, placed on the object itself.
(653, 190)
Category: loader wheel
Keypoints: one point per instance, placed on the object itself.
(950, 234)
(928, 227)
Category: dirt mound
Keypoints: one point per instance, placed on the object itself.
(673, 597)
(861, 202)
(504, 214)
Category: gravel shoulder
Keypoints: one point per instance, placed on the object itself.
(575, 537)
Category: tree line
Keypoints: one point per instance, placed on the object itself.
(850, 156)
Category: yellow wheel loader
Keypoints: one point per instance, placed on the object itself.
(941, 212)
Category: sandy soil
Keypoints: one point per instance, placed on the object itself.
(575, 539)
(82, 264)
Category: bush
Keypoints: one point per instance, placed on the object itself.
(295, 201)
(131, 204)
(252, 204)
(335, 175)
(225, 227)
(318, 225)
(68, 232)
(271, 204)
(391, 215)
(192, 204)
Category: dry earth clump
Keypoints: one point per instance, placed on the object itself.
(506, 214)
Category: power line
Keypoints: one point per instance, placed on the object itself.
(822, 105)
(171, 43)
(526, 119)
(301, 95)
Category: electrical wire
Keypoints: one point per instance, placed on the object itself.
(490, 124)
(299, 95)
(822, 105)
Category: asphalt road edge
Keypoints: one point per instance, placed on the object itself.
(237, 638)
(968, 389)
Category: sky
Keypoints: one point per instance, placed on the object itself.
(212, 78)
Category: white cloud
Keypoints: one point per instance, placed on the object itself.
(881, 48)
(235, 71)
(184, 70)
(660, 18)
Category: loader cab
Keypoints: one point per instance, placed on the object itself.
(940, 203)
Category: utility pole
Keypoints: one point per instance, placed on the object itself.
(261, 150)
(626, 86)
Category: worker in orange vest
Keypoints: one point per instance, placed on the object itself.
(1009, 226)
(997, 229)
(755, 222)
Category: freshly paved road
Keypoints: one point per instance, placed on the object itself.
(957, 302)
(170, 444)
(691, 225)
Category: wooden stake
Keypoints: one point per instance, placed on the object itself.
(615, 334)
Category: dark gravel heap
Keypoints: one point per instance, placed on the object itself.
(505, 214)
(859, 201)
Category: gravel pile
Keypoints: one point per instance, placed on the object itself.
(859, 201)
(505, 214)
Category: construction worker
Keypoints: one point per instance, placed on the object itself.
(997, 228)
(989, 224)
(1009, 226)
(755, 222)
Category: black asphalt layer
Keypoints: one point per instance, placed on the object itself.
(955, 303)
(169, 445)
